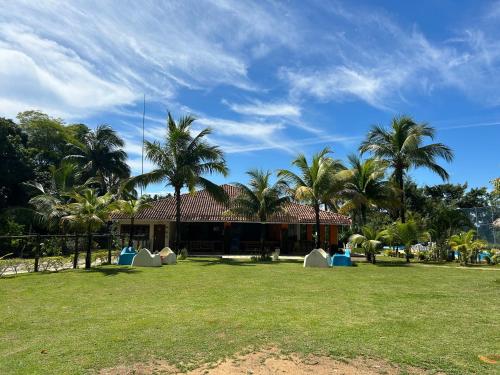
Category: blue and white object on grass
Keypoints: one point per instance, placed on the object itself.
(342, 260)
(126, 256)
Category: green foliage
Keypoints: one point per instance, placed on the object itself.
(402, 147)
(183, 160)
(369, 241)
(16, 165)
(317, 182)
(405, 234)
(183, 254)
(365, 188)
(466, 244)
(100, 156)
(258, 200)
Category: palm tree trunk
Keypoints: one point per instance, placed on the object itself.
(75, 258)
(131, 233)
(88, 256)
(363, 215)
(318, 231)
(400, 181)
(262, 237)
(177, 219)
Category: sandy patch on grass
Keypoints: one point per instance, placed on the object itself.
(272, 362)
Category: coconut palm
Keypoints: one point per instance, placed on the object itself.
(369, 241)
(99, 155)
(90, 211)
(259, 199)
(406, 234)
(402, 147)
(181, 161)
(48, 200)
(315, 182)
(131, 208)
(466, 244)
(365, 187)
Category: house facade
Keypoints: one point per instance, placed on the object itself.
(207, 228)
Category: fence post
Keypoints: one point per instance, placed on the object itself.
(109, 247)
(37, 253)
(75, 257)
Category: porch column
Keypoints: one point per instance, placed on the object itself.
(151, 235)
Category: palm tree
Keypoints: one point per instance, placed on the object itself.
(315, 184)
(181, 161)
(465, 243)
(369, 240)
(131, 208)
(258, 199)
(406, 234)
(100, 156)
(365, 187)
(90, 211)
(48, 200)
(402, 148)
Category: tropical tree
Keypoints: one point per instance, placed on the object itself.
(181, 161)
(466, 244)
(402, 147)
(131, 208)
(315, 184)
(369, 241)
(49, 200)
(259, 199)
(365, 187)
(100, 156)
(406, 234)
(90, 211)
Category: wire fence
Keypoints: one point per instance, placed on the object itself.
(483, 218)
(37, 252)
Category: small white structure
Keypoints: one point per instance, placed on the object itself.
(276, 255)
(168, 256)
(317, 258)
(145, 259)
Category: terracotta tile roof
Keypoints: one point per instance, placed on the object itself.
(201, 207)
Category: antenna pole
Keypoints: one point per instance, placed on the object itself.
(142, 153)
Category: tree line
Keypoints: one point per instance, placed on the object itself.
(57, 177)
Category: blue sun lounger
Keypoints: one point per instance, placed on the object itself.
(126, 256)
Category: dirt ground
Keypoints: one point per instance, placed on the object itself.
(271, 362)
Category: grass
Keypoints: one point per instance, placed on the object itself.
(201, 310)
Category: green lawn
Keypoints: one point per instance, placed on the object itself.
(204, 309)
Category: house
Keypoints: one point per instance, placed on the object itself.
(206, 227)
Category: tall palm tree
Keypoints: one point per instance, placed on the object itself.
(406, 234)
(365, 187)
(100, 155)
(90, 211)
(314, 183)
(181, 161)
(258, 199)
(402, 146)
(131, 208)
(466, 244)
(369, 241)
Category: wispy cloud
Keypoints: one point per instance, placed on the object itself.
(82, 56)
(268, 109)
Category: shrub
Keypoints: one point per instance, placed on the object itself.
(183, 254)
(29, 265)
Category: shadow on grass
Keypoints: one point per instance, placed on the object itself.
(240, 263)
(114, 270)
(391, 264)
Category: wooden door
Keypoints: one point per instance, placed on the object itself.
(159, 237)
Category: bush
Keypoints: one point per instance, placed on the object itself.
(183, 254)
(4, 266)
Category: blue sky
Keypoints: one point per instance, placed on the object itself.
(272, 78)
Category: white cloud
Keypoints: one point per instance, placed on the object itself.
(369, 57)
(82, 56)
(258, 108)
